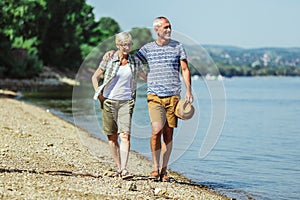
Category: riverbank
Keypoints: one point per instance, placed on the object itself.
(45, 157)
(49, 78)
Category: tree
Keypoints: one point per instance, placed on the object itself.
(140, 37)
(99, 36)
(108, 27)
(58, 32)
(72, 33)
(19, 55)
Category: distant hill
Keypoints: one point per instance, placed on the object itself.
(235, 61)
(264, 57)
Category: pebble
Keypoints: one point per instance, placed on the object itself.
(131, 186)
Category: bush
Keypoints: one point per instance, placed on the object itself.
(28, 67)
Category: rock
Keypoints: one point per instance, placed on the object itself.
(131, 186)
(162, 192)
(117, 185)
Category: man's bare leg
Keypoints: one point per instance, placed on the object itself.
(155, 144)
(166, 147)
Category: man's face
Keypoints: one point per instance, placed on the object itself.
(164, 31)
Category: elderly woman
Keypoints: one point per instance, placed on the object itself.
(117, 96)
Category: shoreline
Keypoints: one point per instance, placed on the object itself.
(68, 162)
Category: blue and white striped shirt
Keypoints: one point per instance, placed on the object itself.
(164, 64)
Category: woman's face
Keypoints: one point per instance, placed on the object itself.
(124, 47)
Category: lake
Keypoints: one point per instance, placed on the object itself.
(251, 124)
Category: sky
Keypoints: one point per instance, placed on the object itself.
(241, 23)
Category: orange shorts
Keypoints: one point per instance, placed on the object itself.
(161, 109)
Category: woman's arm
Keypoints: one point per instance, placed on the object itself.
(96, 76)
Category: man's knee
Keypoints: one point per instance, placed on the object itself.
(157, 128)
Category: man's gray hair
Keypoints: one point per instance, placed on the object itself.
(157, 21)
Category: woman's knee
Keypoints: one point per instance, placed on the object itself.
(125, 136)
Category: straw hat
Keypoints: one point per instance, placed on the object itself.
(184, 110)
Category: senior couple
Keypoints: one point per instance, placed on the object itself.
(164, 58)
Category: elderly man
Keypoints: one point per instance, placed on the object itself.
(164, 58)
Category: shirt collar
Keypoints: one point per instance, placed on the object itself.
(115, 57)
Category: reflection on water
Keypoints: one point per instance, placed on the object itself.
(57, 100)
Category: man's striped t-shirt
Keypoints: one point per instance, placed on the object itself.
(164, 64)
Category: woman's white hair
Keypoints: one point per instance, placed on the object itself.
(123, 37)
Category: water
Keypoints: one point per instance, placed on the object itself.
(257, 154)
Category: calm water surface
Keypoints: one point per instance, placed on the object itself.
(257, 154)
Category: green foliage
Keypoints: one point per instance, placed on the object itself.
(233, 61)
(73, 33)
(29, 67)
(17, 62)
(29, 44)
(58, 32)
(231, 70)
(6, 59)
(60, 39)
(108, 26)
(18, 34)
(100, 37)
(140, 37)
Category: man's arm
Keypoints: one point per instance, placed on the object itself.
(108, 55)
(187, 80)
(143, 75)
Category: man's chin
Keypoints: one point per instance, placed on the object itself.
(167, 37)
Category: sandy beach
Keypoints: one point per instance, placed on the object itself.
(45, 157)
